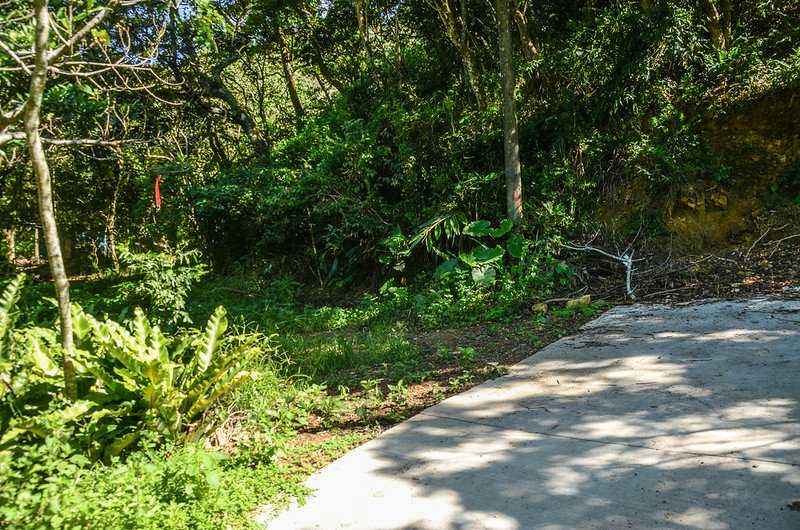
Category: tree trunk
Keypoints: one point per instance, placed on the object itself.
(325, 72)
(508, 80)
(111, 222)
(726, 23)
(398, 49)
(11, 245)
(719, 26)
(41, 169)
(288, 72)
(362, 12)
(471, 62)
(529, 49)
(36, 256)
(214, 86)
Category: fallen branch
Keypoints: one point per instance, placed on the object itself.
(747, 254)
(651, 295)
(778, 242)
(626, 259)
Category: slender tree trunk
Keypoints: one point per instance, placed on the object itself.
(216, 146)
(11, 244)
(111, 222)
(726, 23)
(508, 80)
(36, 256)
(718, 25)
(288, 71)
(362, 14)
(529, 49)
(398, 49)
(322, 85)
(325, 72)
(45, 190)
(469, 57)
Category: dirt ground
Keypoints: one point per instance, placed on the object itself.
(766, 265)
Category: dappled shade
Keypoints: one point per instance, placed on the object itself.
(629, 424)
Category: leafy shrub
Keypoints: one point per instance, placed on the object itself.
(133, 382)
(147, 381)
(8, 317)
(160, 282)
(49, 485)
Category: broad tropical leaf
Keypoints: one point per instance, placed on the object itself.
(484, 276)
(477, 229)
(209, 340)
(482, 256)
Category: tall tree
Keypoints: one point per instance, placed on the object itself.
(362, 17)
(288, 70)
(718, 22)
(83, 52)
(33, 109)
(461, 43)
(520, 14)
(508, 79)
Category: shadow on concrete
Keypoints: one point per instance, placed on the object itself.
(652, 417)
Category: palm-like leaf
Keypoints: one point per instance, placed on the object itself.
(168, 390)
(209, 340)
(8, 314)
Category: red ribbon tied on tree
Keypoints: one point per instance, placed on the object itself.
(158, 194)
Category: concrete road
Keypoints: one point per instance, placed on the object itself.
(651, 417)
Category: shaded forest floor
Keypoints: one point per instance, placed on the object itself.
(768, 266)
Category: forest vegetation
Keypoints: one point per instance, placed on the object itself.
(243, 236)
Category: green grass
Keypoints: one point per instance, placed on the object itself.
(353, 361)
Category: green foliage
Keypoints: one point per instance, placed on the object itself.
(147, 381)
(175, 488)
(671, 152)
(160, 282)
(8, 317)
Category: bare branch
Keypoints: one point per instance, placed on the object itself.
(70, 73)
(8, 136)
(625, 258)
(9, 118)
(90, 142)
(19, 135)
(79, 35)
(17, 59)
(16, 19)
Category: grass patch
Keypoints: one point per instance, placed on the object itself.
(337, 377)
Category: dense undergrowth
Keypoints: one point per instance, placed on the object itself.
(130, 451)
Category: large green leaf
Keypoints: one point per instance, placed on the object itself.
(503, 229)
(43, 424)
(484, 276)
(477, 229)
(8, 301)
(482, 256)
(447, 266)
(209, 340)
(41, 357)
(120, 444)
(517, 246)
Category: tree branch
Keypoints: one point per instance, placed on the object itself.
(17, 59)
(90, 142)
(79, 35)
(8, 136)
(9, 118)
(85, 142)
(626, 259)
